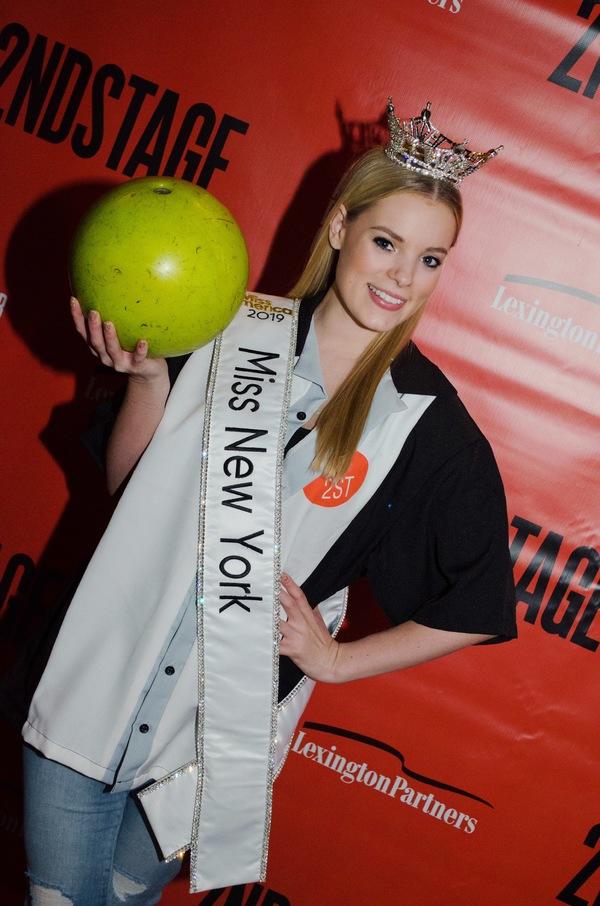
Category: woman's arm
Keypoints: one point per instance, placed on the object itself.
(306, 640)
(138, 419)
(145, 397)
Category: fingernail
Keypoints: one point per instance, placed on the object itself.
(285, 577)
(107, 326)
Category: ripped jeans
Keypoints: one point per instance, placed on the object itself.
(85, 846)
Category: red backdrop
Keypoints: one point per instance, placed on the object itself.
(263, 104)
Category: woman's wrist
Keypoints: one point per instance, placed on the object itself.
(155, 372)
(149, 390)
(332, 670)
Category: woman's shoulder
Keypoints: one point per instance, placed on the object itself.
(413, 372)
(447, 425)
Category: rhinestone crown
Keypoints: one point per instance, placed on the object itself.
(418, 145)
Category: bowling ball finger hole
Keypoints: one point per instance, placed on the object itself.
(162, 191)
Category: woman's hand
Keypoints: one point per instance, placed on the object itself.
(305, 637)
(308, 643)
(145, 396)
(104, 343)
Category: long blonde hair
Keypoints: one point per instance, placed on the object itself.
(340, 424)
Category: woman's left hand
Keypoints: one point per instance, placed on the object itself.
(305, 637)
(307, 642)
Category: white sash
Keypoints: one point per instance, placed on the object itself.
(238, 597)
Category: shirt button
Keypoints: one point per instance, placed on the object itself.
(144, 728)
(169, 671)
(301, 416)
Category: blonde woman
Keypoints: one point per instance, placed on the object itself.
(319, 445)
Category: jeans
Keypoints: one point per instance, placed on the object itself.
(86, 846)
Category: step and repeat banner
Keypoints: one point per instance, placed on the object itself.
(471, 780)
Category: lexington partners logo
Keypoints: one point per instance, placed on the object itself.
(550, 317)
(392, 784)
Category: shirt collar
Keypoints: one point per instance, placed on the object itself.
(308, 364)
(387, 399)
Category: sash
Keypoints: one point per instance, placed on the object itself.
(238, 596)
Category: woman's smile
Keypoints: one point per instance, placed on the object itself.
(385, 300)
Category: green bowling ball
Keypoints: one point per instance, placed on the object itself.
(163, 260)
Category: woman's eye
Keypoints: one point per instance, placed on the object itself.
(383, 242)
(431, 261)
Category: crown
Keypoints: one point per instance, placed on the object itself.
(418, 145)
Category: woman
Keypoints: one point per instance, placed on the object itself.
(385, 474)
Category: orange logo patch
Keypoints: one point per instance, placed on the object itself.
(325, 493)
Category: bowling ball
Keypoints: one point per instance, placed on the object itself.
(163, 260)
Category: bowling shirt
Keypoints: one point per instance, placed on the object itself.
(432, 541)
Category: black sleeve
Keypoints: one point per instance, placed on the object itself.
(446, 563)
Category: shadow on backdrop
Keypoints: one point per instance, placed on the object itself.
(292, 241)
(38, 288)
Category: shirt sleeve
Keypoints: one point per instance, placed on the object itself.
(445, 563)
